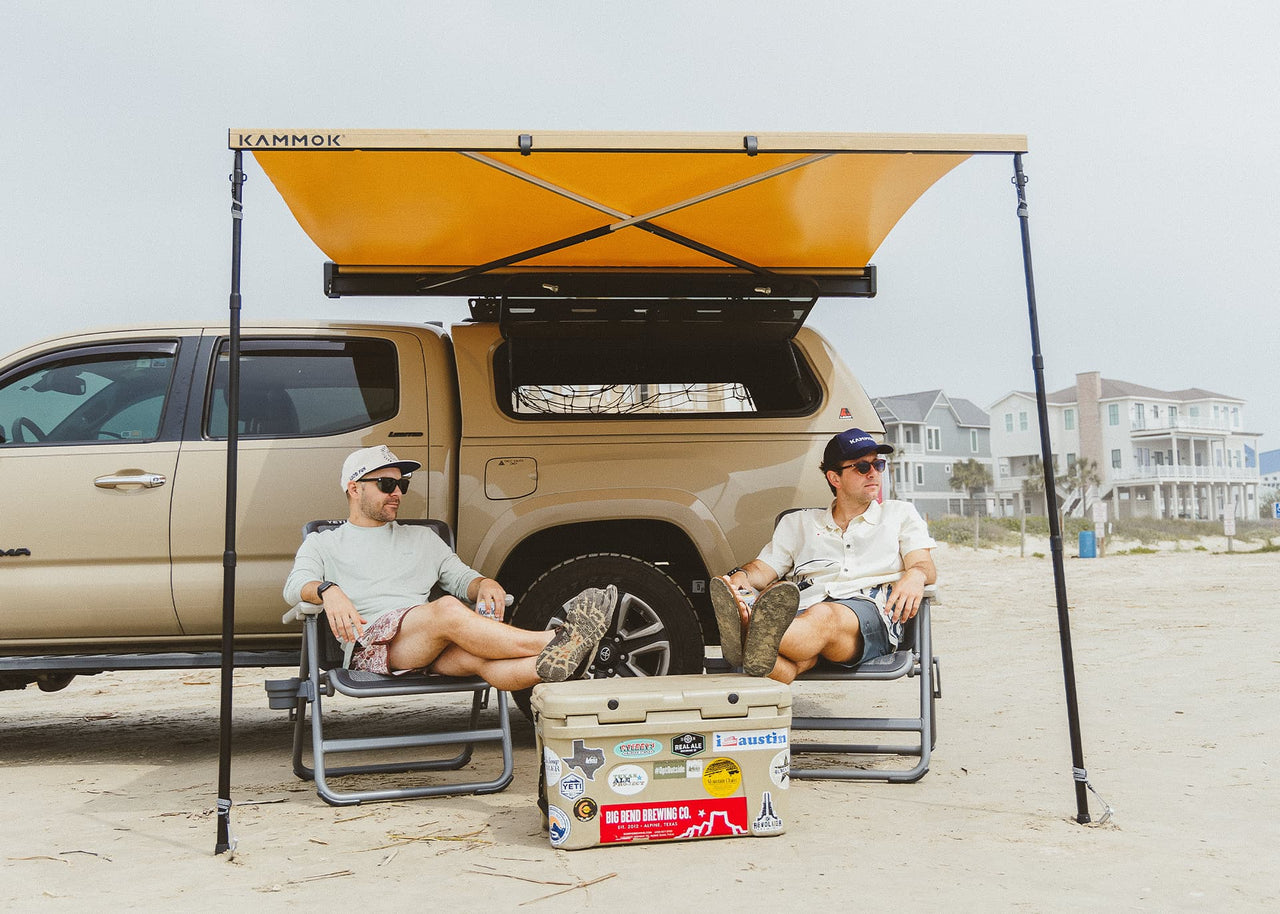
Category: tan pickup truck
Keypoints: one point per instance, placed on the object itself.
(644, 453)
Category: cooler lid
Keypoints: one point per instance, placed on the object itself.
(634, 699)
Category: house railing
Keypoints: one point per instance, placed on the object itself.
(1168, 473)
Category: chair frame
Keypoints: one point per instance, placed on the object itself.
(322, 672)
(914, 658)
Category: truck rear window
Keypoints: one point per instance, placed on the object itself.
(568, 378)
(291, 388)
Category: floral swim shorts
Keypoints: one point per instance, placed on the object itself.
(371, 655)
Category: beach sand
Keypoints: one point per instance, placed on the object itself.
(109, 786)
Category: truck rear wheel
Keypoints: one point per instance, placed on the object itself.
(654, 631)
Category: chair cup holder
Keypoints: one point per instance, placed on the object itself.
(282, 694)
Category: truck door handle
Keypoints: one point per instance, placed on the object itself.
(146, 480)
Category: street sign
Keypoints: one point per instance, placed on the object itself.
(1228, 525)
(1276, 510)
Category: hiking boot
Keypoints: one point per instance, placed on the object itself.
(731, 619)
(771, 613)
(576, 641)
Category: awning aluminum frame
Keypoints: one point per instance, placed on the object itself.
(510, 277)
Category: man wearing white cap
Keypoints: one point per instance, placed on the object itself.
(388, 570)
(835, 584)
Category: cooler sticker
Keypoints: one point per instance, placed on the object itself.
(780, 769)
(572, 786)
(721, 777)
(585, 809)
(740, 740)
(688, 744)
(587, 760)
(665, 821)
(768, 822)
(693, 767)
(637, 748)
(557, 825)
(628, 780)
(673, 769)
(551, 764)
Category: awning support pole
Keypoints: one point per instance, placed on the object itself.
(1051, 505)
(225, 841)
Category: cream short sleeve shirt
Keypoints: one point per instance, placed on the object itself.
(809, 546)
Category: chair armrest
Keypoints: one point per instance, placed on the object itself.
(301, 611)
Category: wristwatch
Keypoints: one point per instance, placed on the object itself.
(324, 585)
(734, 571)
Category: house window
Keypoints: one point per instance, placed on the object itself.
(919, 474)
(1115, 458)
(1195, 412)
(1069, 419)
(973, 440)
(1173, 417)
(1138, 416)
(1113, 414)
(1008, 422)
(934, 439)
(1071, 462)
(1235, 417)
(1022, 421)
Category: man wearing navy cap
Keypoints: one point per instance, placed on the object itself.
(835, 584)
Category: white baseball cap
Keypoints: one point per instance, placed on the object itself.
(364, 461)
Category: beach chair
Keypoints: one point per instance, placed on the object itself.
(914, 658)
(323, 673)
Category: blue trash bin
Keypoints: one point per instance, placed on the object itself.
(1088, 545)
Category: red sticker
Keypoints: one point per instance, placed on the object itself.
(844, 413)
(710, 818)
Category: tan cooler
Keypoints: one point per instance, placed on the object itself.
(663, 758)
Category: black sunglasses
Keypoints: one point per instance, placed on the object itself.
(388, 484)
(864, 466)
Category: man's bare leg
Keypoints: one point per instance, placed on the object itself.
(823, 630)
(428, 629)
(446, 637)
(508, 675)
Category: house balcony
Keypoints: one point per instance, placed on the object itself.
(1149, 428)
(1186, 474)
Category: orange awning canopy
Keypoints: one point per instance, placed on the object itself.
(441, 202)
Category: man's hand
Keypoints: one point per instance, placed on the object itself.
(908, 590)
(344, 621)
(904, 599)
(490, 599)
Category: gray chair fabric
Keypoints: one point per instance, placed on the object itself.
(322, 674)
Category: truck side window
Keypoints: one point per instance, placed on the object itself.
(294, 388)
(97, 394)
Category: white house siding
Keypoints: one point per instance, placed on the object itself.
(1171, 463)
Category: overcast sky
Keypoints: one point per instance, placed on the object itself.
(1153, 132)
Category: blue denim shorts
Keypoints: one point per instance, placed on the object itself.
(875, 639)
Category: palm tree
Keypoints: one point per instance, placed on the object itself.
(1080, 477)
(1032, 484)
(971, 476)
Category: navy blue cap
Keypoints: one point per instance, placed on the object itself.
(850, 445)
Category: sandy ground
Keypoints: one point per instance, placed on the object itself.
(108, 786)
